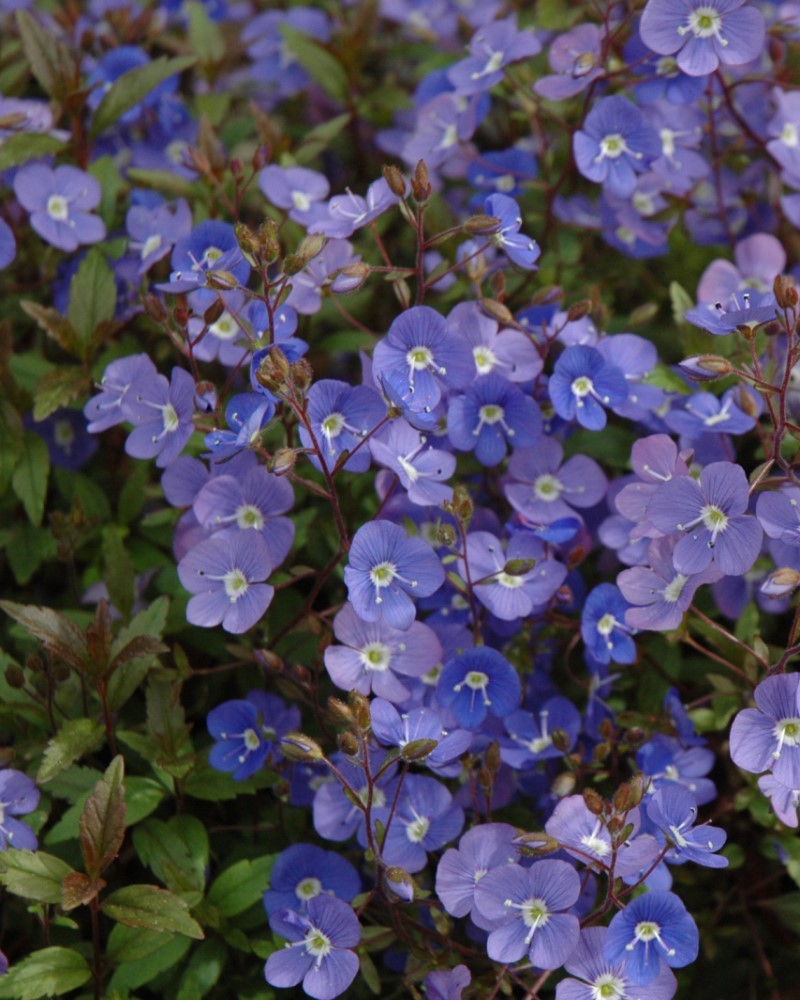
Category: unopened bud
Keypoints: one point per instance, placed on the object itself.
(593, 802)
(579, 310)
(497, 311)
(600, 752)
(785, 290)
(351, 277)
(446, 535)
(297, 746)
(269, 660)
(222, 281)
(493, 758)
(637, 786)
(236, 166)
(395, 180)
(536, 843)
(155, 308)
(348, 744)
(273, 370)
(359, 706)
(561, 740)
(705, 367)
(563, 785)
(746, 402)
(418, 749)
(420, 183)
(477, 224)
(623, 799)
(626, 832)
(213, 313)
(642, 314)
(248, 242)
(780, 582)
(518, 567)
(340, 711)
(400, 882)
(301, 374)
(635, 736)
(269, 246)
(283, 461)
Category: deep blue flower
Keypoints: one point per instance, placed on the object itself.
(582, 383)
(615, 144)
(304, 871)
(603, 625)
(425, 819)
(673, 810)
(320, 952)
(652, 929)
(743, 309)
(476, 683)
(246, 730)
(520, 249)
(341, 416)
(600, 979)
(492, 414)
(18, 796)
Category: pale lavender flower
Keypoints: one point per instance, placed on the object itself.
(162, 413)
(575, 59)
(615, 144)
(18, 796)
(600, 979)
(422, 470)
(425, 819)
(480, 850)
(492, 48)
(60, 201)
(767, 738)
(543, 490)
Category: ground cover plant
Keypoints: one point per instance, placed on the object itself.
(400, 404)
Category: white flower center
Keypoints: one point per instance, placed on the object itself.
(248, 516)
(485, 359)
(674, 588)
(417, 829)
(58, 208)
(608, 987)
(704, 22)
(317, 944)
(789, 135)
(787, 733)
(225, 328)
(236, 584)
(301, 201)
(376, 656)
(547, 488)
(308, 888)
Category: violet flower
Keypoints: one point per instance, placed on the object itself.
(600, 979)
(60, 201)
(652, 929)
(767, 738)
(615, 144)
(18, 796)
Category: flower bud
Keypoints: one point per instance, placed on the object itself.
(601, 752)
(395, 180)
(155, 308)
(594, 803)
(213, 313)
(222, 281)
(15, 676)
(418, 749)
(623, 799)
(780, 582)
(283, 461)
(340, 711)
(498, 311)
(561, 740)
(705, 367)
(786, 291)
(359, 706)
(348, 744)
(301, 374)
(579, 310)
(355, 274)
(481, 224)
(563, 785)
(269, 246)
(420, 183)
(297, 746)
(400, 883)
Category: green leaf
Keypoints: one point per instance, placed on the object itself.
(241, 885)
(58, 388)
(161, 180)
(153, 909)
(60, 636)
(54, 325)
(177, 854)
(29, 480)
(167, 954)
(118, 572)
(75, 738)
(132, 87)
(681, 301)
(35, 875)
(318, 62)
(45, 973)
(11, 434)
(49, 61)
(23, 146)
(142, 797)
(370, 973)
(92, 295)
(204, 35)
(102, 825)
(202, 970)
(27, 549)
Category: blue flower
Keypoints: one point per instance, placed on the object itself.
(246, 730)
(302, 872)
(520, 249)
(582, 383)
(603, 625)
(491, 414)
(476, 683)
(615, 144)
(652, 929)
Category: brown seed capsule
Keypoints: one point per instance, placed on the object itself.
(395, 180)
(594, 802)
(785, 290)
(420, 183)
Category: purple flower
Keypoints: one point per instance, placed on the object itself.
(674, 811)
(227, 504)
(349, 212)
(245, 414)
(373, 654)
(123, 380)
(703, 33)
(226, 577)
(712, 516)
(604, 628)
(492, 414)
(297, 189)
(778, 513)
(527, 907)
(665, 760)
(760, 258)
(660, 593)
(18, 796)
(476, 683)
(582, 383)
(336, 816)
(8, 245)
(424, 355)
(600, 979)
(154, 230)
(515, 594)
(652, 929)
(576, 60)
(767, 738)
(303, 871)
(480, 850)
(501, 172)
(162, 412)
(491, 48)
(511, 353)
(543, 490)
(392, 729)
(320, 952)
(615, 144)
(441, 985)
(420, 469)
(211, 246)
(785, 801)
(704, 413)
(742, 309)
(530, 736)
(60, 202)
(322, 272)
(425, 819)
(340, 416)
(246, 730)
(520, 249)
(385, 569)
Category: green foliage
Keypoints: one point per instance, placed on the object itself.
(132, 87)
(46, 973)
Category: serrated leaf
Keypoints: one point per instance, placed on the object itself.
(240, 886)
(166, 720)
(29, 480)
(54, 325)
(78, 889)
(92, 295)
(102, 824)
(75, 738)
(60, 636)
(49, 61)
(45, 973)
(18, 148)
(35, 875)
(321, 65)
(57, 389)
(153, 909)
(132, 87)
